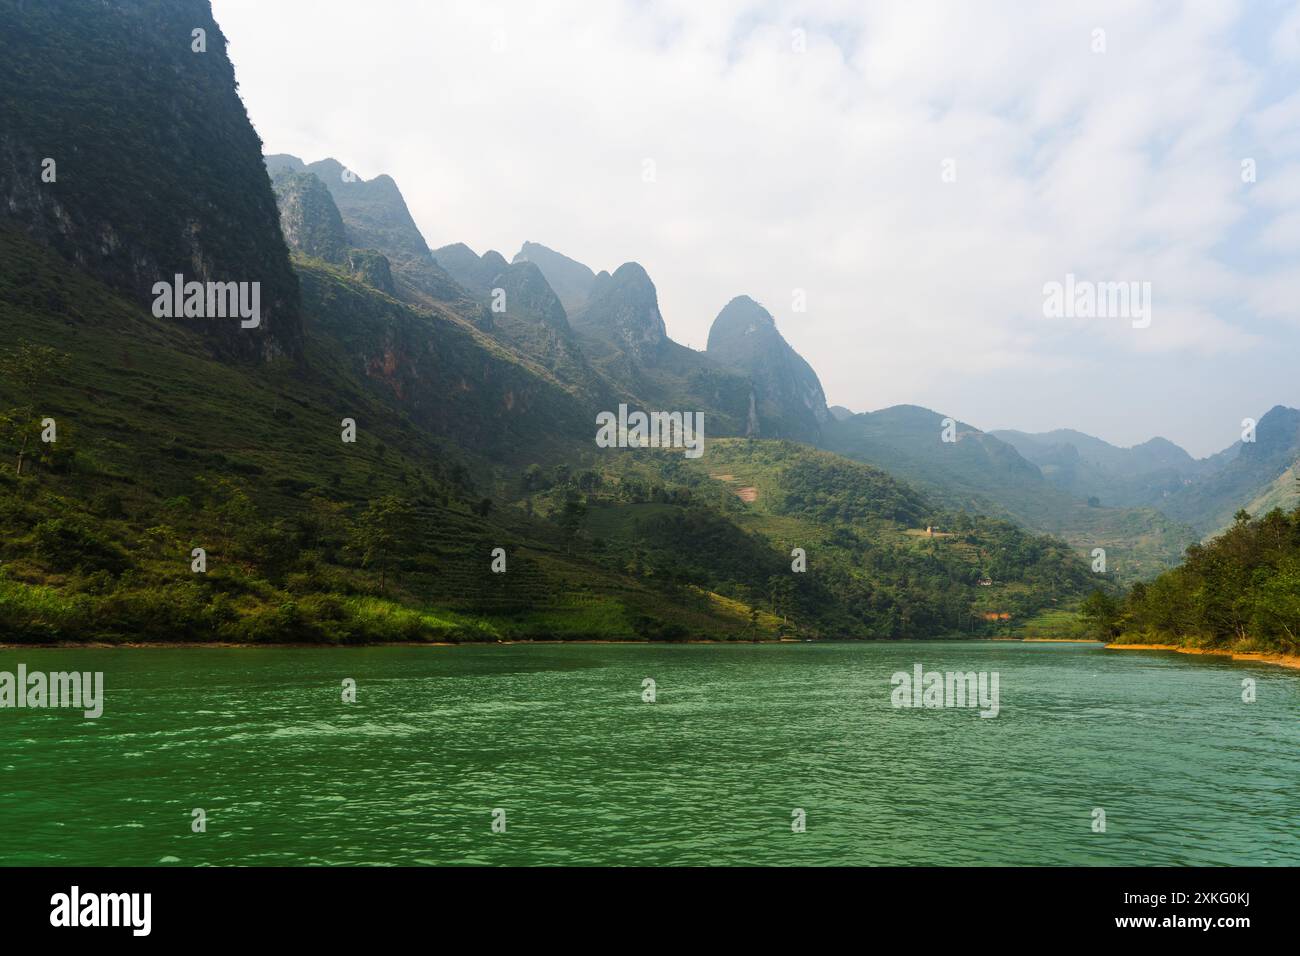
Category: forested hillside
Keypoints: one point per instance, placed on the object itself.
(1240, 591)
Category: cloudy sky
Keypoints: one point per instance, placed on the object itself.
(920, 171)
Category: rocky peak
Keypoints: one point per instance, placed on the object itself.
(624, 308)
(790, 400)
(570, 279)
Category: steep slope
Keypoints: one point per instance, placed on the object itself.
(162, 448)
(789, 401)
(527, 318)
(624, 311)
(309, 219)
(1283, 493)
(157, 170)
(376, 217)
(314, 228)
(622, 332)
(450, 378)
(372, 268)
(530, 298)
(571, 280)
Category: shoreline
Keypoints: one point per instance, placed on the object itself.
(172, 645)
(1280, 660)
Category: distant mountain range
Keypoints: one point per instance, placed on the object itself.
(606, 335)
(1203, 493)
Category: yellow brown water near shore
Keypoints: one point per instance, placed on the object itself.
(1281, 660)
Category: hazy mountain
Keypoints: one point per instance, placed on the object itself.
(311, 222)
(314, 228)
(789, 401)
(1203, 493)
(1090, 468)
(570, 279)
(471, 270)
(529, 297)
(975, 471)
(1252, 475)
(840, 413)
(623, 334)
(624, 310)
(376, 217)
(135, 200)
(534, 323)
(982, 474)
(1153, 455)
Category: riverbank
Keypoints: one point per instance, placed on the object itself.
(11, 646)
(1043, 640)
(316, 646)
(1281, 660)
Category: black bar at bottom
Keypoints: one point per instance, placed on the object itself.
(942, 906)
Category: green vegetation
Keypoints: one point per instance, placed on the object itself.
(163, 449)
(982, 474)
(1239, 592)
(865, 536)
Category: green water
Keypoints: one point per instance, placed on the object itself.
(587, 773)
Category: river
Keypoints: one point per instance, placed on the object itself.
(742, 748)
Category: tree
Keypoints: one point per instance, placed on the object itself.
(29, 368)
(1101, 611)
(384, 533)
(570, 517)
(780, 591)
(532, 478)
